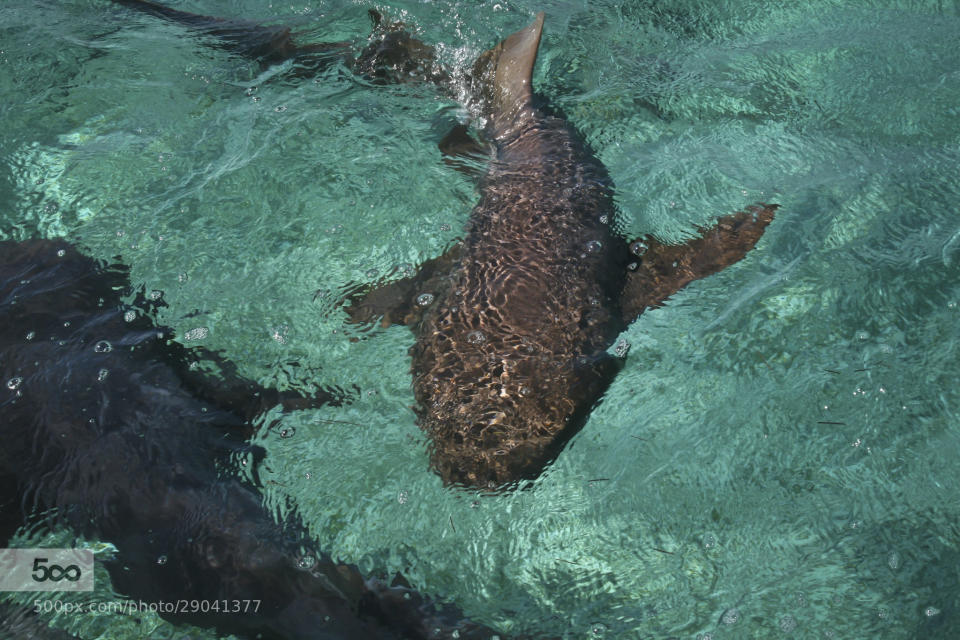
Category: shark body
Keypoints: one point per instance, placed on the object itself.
(513, 328)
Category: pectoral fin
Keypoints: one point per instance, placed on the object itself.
(464, 152)
(661, 270)
(215, 379)
(403, 301)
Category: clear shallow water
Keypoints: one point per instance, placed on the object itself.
(779, 456)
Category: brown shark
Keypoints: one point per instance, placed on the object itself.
(514, 324)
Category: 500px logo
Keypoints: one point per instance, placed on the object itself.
(46, 570)
(54, 572)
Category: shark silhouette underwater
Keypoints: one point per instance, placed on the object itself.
(514, 323)
(113, 429)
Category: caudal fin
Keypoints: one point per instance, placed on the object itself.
(270, 44)
(502, 77)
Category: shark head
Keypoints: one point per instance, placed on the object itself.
(505, 422)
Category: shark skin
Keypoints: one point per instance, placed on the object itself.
(511, 353)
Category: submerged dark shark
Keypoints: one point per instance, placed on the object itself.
(112, 428)
(514, 323)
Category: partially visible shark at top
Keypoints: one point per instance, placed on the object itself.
(514, 323)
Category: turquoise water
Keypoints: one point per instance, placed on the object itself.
(779, 456)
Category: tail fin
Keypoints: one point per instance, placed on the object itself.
(502, 77)
(267, 43)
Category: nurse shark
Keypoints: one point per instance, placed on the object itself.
(514, 323)
(113, 429)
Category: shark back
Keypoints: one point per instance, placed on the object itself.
(514, 354)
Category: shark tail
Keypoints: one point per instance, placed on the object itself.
(502, 76)
(168, 13)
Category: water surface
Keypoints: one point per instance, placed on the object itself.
(779, 456)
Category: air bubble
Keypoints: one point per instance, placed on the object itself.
(476, 337)
(14, 383)
(130, 315)
(102, 375)
(525, 391)
(162, 560)
(402, 497)
(893, 560)
(638, 248)
(31, 335)
(730, 616)
(371, 273)
(593, 246)
(306, 562)
(788, 624)
(196, 334)
(61, 253)
(931, 611)
(424, 299)
(279, 334)
(103, 347)
(622, 348)
(598, 630)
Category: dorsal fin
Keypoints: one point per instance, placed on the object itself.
(502, 77)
